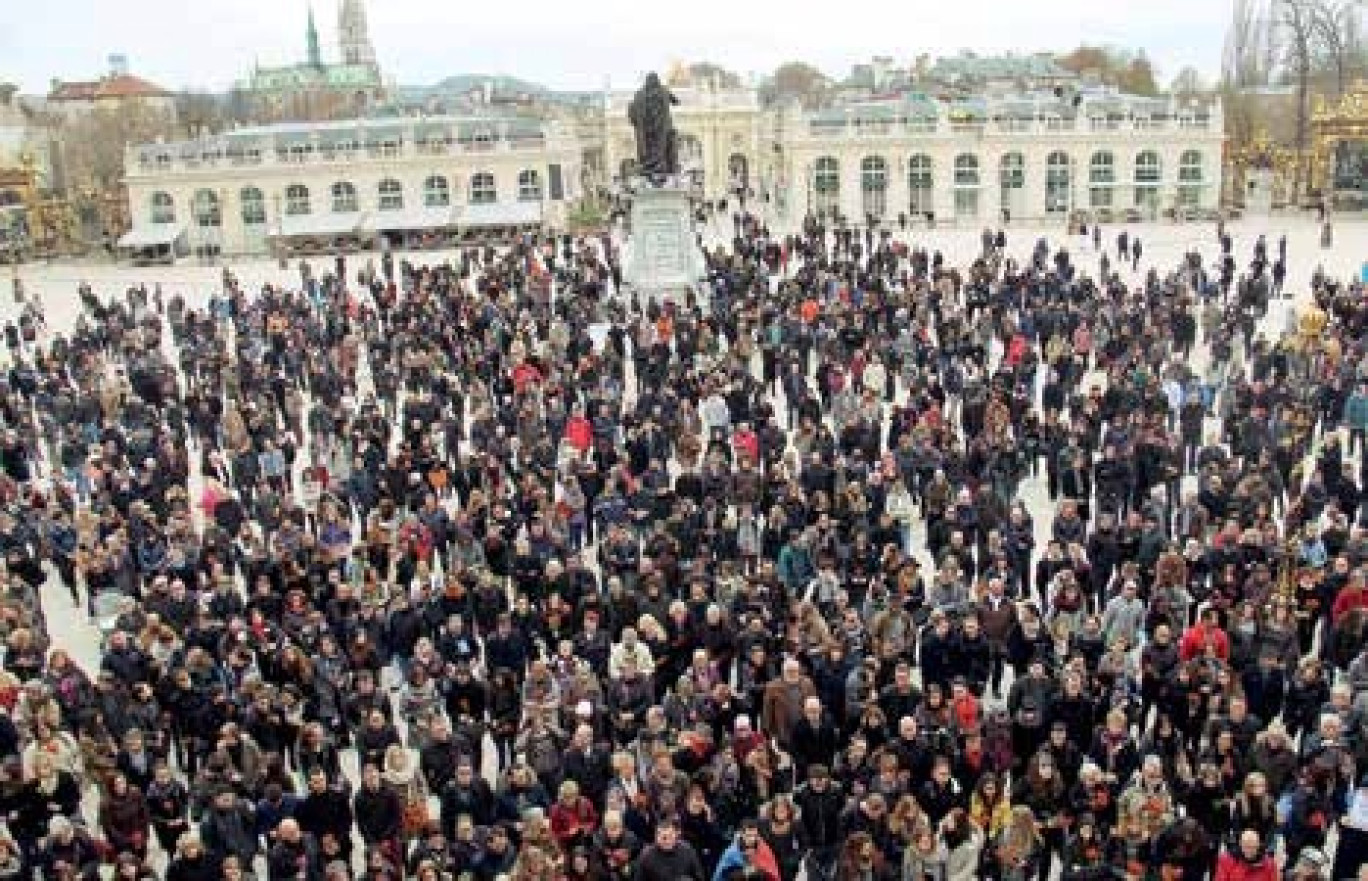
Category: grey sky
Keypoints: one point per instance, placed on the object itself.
(210, 44)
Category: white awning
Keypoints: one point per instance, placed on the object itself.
(328, 224)
(149, 235)
(416, 217)
(500, 214)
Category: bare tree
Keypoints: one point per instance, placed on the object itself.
(1251, 48)
(798, 80)
(93, 143)
(1335, 27)
(1248, 63)
(1296, 20)
(1188, 83)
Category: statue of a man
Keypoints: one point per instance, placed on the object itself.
(657, 155)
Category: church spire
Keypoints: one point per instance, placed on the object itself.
(315, 53)
(354, 35)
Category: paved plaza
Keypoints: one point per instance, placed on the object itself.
(1164, 244)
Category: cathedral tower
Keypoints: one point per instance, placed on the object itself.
(353, 35)
(311, 37)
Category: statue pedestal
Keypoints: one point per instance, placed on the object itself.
(661, 259)
(1258, 196)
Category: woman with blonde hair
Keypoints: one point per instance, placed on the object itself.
(925, 857)
(1018, 850)
(963, 846)
(401, 775)
(1255, 807)
(905, 819)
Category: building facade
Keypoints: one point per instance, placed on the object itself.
(989, 160)
(917, 158)
(353, 183)
(1033, 156)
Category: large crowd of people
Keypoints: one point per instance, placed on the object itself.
(857, 565)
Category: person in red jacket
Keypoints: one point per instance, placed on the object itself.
(1249, 863)
(1352, 596)
(573, 818)
(1206, 635)
(524, 375)
(579, 431)
(747, 442)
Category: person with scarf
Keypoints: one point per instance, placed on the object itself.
(749, 857)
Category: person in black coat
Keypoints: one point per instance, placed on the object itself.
(669, 859)
(192, 861)
(294, 856)
(971, 656)
(378, 810)
(325, 810)
(468, 794)
(936, 661)
(814, 739)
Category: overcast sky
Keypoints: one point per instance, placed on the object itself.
(211, 43)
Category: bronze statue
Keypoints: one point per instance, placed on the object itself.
(657, 151)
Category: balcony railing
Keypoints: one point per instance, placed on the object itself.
(150, 162)
(835, 129)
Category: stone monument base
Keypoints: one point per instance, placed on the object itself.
(661, 259)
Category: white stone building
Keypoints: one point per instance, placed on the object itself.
(426, 180)
(1036, 156)
(408, 182)
(1030, 157)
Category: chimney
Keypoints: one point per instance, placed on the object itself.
(118, 65)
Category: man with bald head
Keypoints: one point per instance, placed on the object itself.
(294, 856)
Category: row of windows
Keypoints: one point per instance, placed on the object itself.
(1148, 169)
(343, 198)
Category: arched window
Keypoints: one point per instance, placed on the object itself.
(529, 185)
(253, 206)
(1148, 173)
(874, 185)
(344, 199)
(1012, 171)
(1190, 167)
(826, 183)
(967, 181)
(391, 195)
(482, 189)
(1058, 182)
(206, 208)
(1012, 181)
(966, 170)
(1191, 178)
(297, 200)
(436, 192)
(921, 184)
(163, 208)
(1101, 178)
(1147, 168)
